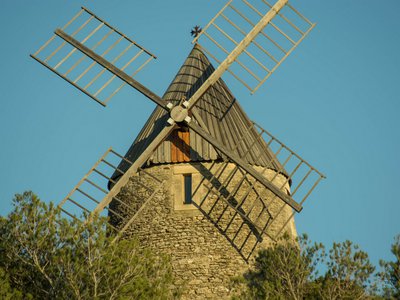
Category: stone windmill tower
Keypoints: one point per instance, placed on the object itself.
(201, 182)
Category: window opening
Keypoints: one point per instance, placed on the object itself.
(187, 188)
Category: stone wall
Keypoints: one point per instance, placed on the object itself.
(208, 241)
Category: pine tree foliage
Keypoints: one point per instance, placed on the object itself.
(349, 273)
(284, 271)
(391, 272)
(289, 270)
(44, 256)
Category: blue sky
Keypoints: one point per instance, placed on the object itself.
(334, 101)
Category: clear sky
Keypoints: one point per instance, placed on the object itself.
(335, 101)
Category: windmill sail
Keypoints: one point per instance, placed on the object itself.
(251, 38)
(91, 55)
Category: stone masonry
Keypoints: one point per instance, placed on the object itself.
(208, 241)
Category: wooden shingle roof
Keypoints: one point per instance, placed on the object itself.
(219, 110)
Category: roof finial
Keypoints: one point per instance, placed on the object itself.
(196, 31)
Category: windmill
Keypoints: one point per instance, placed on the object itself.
(201, 181)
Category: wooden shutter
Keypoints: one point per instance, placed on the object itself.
(180, 145)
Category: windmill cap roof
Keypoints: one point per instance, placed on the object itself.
(221, 113)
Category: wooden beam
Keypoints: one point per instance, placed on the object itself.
(143, 206)
(134, 168)
(110, 67)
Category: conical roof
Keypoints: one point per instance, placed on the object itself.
(219, 110)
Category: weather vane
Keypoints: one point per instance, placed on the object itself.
(196, 31)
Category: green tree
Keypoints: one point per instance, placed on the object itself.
(7, 292)
(391, 272)
(349, 273)
(49, 257)
(288, 270)
(284, 271)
